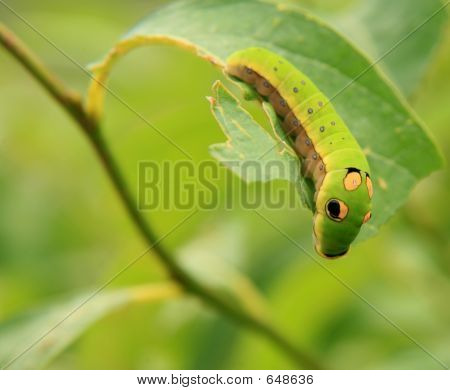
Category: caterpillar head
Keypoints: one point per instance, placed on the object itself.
(343, 205)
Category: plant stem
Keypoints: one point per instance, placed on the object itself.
(69, 100)
(72, 103)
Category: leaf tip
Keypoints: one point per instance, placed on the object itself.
(211, 100)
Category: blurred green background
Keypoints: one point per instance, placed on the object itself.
(63, 230)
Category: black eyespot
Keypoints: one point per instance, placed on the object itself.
(336, 210)
(333, 208)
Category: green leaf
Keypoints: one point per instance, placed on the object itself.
(22, 345)
(250, 151)
(378, 25)
(40, 335)
(398, 148)
(214, 257)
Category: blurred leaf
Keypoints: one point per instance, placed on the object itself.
(377, 26)
(214, 257)
(383, 124)
(65, 323)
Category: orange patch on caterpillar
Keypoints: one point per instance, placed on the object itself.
(369, 186)
(352, 181)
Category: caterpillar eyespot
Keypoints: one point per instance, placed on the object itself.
(336, 209)
(324, 144)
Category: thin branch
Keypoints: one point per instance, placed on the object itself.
(72, 103)
(69, 100)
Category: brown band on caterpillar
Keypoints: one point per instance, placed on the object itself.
(312, 165)
(292, 126)
(263, 87)
(279, 104)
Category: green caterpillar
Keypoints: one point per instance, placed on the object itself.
(330, 155)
